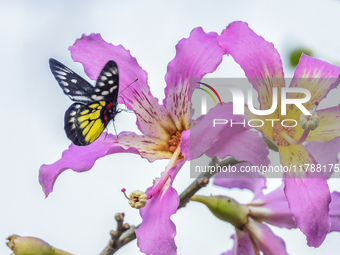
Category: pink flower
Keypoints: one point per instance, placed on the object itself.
(261, 64)
(164, 127)
(271, 209)
(161, 125)
(251, 220)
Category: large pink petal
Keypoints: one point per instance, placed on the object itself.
(334, 211)
(272, 208)
(258, 58)
(246, 145)
(195, 57)
(79, 159)
(93, 52)
(251, 180)
(268, 242)
(317, 76)
(309, 200)
(156, 234)
(223, 140)
(326, 154)
(309, 195)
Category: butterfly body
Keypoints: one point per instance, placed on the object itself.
(94, 107)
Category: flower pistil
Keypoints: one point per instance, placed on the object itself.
(283, 136)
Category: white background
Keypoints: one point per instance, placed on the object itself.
(79, 213)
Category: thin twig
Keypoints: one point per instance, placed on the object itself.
(120, 236)
(125, 234)
(200, 182)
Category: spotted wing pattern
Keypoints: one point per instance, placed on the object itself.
(94, 107)
(74, 86)
(107, 84)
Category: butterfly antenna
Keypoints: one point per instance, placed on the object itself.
(128, 86)
(126, 110)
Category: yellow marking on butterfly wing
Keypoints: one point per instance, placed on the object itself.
(83, 118)
(89, 122)
(95, 131)
(94, 115)
(91, 116)
(87, 128)
(84, 124)
(95, 105)
(85, 112)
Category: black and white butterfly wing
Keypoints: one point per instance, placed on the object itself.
(94, 107)
(86, 119)
(74, 86)
(107, 84)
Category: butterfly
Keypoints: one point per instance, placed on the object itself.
(94, 107)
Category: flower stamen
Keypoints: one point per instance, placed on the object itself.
(175, 141)
(137, 198)
(308, 123)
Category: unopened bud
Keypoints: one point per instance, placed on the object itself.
(31, 246)
(225, 208)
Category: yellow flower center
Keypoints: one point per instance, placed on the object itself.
(278, 130)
